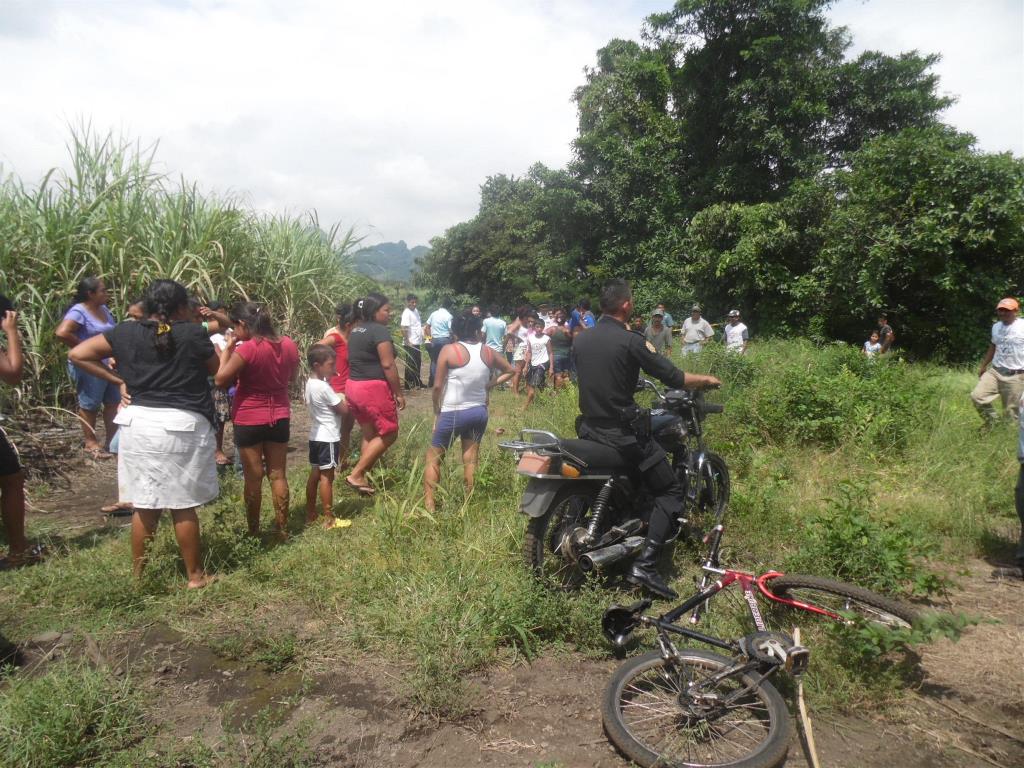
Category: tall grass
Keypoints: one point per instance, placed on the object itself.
(113, 214)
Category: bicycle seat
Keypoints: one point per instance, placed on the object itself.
(599, 458)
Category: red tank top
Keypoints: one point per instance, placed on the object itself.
(339, 379)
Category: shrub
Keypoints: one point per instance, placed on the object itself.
(847, 542)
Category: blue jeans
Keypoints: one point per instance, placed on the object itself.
(434, 350)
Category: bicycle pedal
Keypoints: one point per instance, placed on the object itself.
(797, 660)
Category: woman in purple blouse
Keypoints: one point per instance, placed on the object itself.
(86, 318)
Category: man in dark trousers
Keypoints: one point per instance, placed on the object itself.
(609, 358)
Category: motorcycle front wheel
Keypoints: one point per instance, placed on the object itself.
(656, 714)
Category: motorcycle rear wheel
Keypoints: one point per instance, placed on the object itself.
(542, 544)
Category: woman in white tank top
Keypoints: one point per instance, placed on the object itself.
(462, 384)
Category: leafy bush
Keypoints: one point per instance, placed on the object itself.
(847, 542)
(829, 397)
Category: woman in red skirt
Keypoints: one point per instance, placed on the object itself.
(373, 391)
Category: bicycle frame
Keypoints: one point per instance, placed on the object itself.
(747, 582)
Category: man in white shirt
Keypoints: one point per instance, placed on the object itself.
(736, 335)
(412, 338)
(696, 331)
(1002, 371)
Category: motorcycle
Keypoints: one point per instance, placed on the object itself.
(586, 508)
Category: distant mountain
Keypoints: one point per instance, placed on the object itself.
(391, 262)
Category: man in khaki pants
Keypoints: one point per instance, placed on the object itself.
(1004, 378)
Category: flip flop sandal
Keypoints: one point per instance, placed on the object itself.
(117, 509)
(362, 490)
(339, 522)
(98, 454)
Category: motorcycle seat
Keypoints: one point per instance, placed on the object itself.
(600, 458)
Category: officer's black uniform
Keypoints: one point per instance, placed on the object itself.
(608, 361)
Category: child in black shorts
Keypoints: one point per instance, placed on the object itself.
(326, 407)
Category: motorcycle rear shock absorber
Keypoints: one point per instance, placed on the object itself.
(600, 508)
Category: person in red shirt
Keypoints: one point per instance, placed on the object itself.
(264, 366)
(336, 338)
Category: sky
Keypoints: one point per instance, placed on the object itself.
(388, 115)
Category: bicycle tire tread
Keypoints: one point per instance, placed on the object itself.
(782, 584)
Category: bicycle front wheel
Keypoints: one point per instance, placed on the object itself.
(839, 598)
(658, 714)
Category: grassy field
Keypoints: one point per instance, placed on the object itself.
(870, 471)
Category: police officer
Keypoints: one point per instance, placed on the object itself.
(608, 362)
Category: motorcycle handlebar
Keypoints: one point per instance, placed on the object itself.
(713, 408)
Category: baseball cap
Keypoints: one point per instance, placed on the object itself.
(1011, 304)
(695, 308)
(657, 313)
(734, 313)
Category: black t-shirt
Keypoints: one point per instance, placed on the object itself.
(363, 358)
(178, 380)
(609, 358)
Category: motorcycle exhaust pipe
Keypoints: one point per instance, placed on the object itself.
(602, 558)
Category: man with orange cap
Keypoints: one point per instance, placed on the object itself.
(1002, 371)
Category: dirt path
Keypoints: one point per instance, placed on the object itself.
(969, 710)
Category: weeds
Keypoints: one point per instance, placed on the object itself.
(845, 541)
(72, 715)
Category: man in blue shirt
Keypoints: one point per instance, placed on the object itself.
(440, 324)
(494, 330)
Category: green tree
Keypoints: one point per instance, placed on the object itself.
(929, 228)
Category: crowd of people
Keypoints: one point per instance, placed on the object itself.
(176, 370)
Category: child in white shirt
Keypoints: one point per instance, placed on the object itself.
(326, 407)
(872, 346)
(540, 362)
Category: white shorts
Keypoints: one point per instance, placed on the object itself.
(520, 354)
(166, 458)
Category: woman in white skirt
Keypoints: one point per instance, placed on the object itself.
(166, 456)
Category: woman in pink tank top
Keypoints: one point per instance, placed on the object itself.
(264, 366)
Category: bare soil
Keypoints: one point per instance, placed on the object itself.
(967, 711)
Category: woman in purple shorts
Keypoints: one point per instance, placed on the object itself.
(461, 389)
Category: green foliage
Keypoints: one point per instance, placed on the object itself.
(929, 228)
(847, 542)
(825, 397)
(114, 216)
(737, 158)
(70, 716)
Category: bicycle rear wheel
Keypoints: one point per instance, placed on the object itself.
(651, 716)
(837, 597)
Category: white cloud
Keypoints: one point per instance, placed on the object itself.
(387, 115)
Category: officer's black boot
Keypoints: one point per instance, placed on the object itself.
(644, 573)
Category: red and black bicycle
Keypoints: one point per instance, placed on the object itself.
(684, 707)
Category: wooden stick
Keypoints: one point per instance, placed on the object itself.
(805, 719)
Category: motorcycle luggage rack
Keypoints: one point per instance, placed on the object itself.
(551, 443)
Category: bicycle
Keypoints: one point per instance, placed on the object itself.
(697, 708)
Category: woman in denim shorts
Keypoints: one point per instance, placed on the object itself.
(88, 317)
(461, 389)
